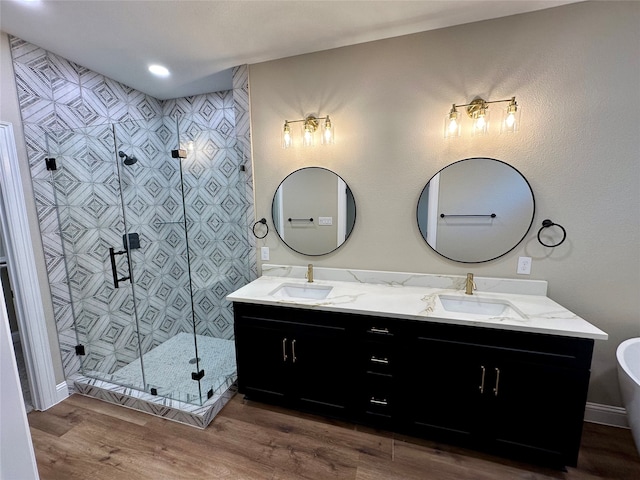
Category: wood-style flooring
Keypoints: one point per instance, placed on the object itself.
(84, 438)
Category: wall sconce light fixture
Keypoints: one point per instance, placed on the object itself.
(309, 127)
(478, 112)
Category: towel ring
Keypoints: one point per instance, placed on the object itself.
(263, 221)
(548, 223)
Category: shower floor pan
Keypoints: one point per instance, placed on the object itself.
(171, 364)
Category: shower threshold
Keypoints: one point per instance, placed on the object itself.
(169, 364)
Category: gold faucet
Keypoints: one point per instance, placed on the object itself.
(470, 285)
(309, 274)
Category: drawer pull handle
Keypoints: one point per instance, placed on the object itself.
(482, 381)
(384, 331)
(293, 351)
(383, 361)
(495, 390)
(374, 401)
(284, 349)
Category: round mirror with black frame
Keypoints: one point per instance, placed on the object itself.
(313, 211)
(475, 210)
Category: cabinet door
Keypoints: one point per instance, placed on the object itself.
(322, 364)
(538, 410)
(263, 351)
(446, 385)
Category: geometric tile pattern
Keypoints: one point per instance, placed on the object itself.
(193, 216)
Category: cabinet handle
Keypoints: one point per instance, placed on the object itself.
(378, 402)
(383, 361)
(384, 331)
(495, 389)
(284, 349)
(293, 351)
(482, 381)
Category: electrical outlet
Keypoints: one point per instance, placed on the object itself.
(264, 253)
(524, 266)
(325, 220)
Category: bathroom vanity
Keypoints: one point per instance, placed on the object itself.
(505, 370)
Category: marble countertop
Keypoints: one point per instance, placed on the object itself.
(414, 296)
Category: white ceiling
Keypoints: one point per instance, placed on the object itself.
(200, 41)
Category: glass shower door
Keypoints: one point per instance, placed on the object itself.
(157, 247)
(88, 203)
(216, 203)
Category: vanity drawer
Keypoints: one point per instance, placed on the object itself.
(377, 399)
(379, 330)
(377, 358)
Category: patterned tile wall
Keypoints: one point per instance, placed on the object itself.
(82, 118)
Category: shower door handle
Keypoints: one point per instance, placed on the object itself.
(114, 270)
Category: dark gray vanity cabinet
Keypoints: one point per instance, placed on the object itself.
(515, 394)
(295, 357)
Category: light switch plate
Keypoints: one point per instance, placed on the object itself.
(264, 253)
(325, 220)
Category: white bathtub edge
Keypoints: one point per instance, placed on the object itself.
(606, 415)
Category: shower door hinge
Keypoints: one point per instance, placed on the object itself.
(178, 153)
(50, 163)
(210, 394)
(197, 375)
(131, 241)
(80, 350)
(243, 168)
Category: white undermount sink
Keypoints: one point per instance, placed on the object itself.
(307, 291)
(478, 306)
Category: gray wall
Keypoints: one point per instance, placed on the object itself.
(575, 71)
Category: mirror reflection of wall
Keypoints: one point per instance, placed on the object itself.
(313, 211)
(475, 210)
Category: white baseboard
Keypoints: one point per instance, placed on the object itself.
(62, 391)
(606, 415)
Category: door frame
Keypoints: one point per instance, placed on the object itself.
(24, 277)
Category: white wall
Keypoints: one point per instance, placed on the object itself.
(17, 460)
(576, 73)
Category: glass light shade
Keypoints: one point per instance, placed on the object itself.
(510, 119)
(480, 122)
(452, 123)
(328, 132)
(451, 126)
(308, 135)
(286, 135)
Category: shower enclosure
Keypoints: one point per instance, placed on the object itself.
(153, 226)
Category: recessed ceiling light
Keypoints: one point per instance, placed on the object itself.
(159, 70)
